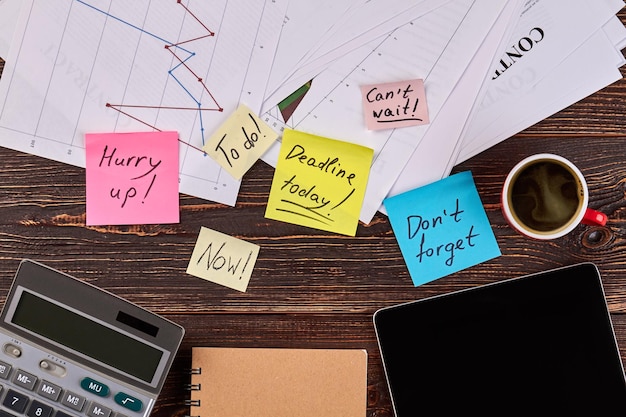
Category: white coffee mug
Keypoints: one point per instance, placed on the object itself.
(545, 196)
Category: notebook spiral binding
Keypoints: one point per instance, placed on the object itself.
(193, 387)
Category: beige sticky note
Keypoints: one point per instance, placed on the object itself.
(223, 259)
(319, 182)
(240, 141)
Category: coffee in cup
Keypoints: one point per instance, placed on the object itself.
(545, 196)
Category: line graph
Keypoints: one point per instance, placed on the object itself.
(175, 48)
(88, 66)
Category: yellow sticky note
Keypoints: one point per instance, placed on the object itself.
(223, 259)
(240, 141)
(319, 182)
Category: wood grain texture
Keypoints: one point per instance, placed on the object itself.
(310, 288)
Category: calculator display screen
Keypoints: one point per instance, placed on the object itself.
(86, 336)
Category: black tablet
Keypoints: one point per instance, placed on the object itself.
(542, 343)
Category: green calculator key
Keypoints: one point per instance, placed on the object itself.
(94, 387)
(128, 401)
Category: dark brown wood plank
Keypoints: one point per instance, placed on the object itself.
(299, 269)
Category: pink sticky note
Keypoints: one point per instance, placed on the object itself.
(132, 178)
(397, 104)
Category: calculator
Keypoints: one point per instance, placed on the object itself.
(71, 349)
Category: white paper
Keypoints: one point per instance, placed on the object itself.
(594, 62)
(548, 31)
(561, 87)
(616, 31)
(9, 12)
(71, 58)
(357, 27)
(440, 145)
(450, 36)
(305, 24)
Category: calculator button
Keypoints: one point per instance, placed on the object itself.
(61, 414)
(129, 402)
(94, 387)
(97, 410)
(15, 401)
(5, 414)
(24, 379)
(5, 369)
(73, 401)
(38, 409)
(49, 390)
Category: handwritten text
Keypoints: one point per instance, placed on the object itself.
(395, 105)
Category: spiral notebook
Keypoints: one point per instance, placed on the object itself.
(273, 382)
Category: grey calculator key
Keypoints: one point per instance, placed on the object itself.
(49, 390)
(97, 410)
(5, 369)
(73, 401)
(24, 379)
(38, 409)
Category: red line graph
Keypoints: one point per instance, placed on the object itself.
(182, 56)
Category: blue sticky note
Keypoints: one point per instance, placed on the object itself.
(442, 228)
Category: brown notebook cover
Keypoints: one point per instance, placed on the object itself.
(272, 382)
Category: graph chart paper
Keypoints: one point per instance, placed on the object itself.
(89, 66)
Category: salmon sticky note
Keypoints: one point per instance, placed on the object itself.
(223, 259)
(132, 178)
(319, 182)
(240, 141)
(397, 104)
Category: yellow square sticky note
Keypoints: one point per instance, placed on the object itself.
(319, 182)
(223, 259)
(240, 141)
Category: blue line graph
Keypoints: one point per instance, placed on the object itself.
(174, 48)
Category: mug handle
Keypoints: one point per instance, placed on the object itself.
(594, 218)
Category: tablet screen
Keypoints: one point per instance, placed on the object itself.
(543, 342)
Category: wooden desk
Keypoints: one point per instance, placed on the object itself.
(309, 288)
